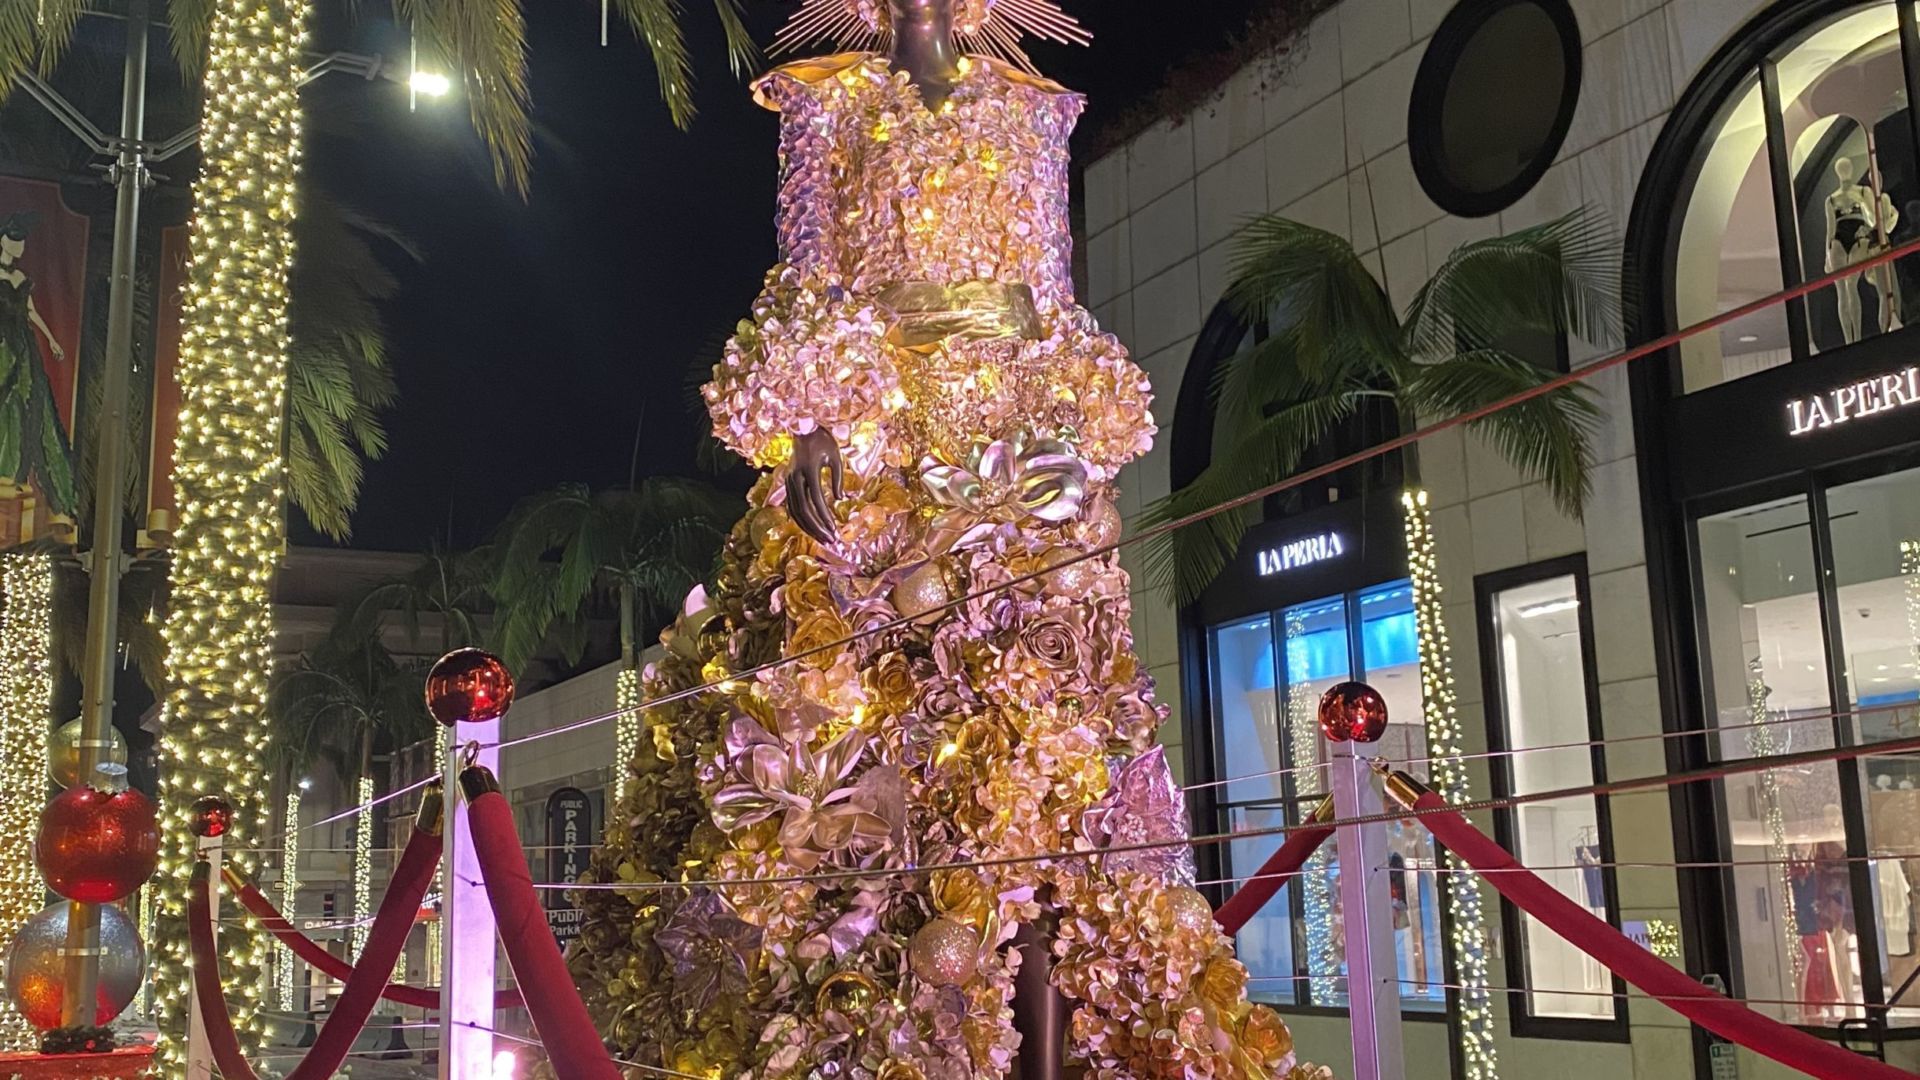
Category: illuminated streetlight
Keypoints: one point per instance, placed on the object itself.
(429, 84)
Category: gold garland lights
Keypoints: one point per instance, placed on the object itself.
(1449, 776)
(26, 699)
(228, 472)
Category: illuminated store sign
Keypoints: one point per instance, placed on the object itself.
(1852, 401)
(1302, 552)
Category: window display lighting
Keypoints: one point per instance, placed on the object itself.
(26, 699)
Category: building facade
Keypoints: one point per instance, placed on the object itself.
(1745, 579)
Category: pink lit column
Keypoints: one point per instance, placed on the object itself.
(466, 983)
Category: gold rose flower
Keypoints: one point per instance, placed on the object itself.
(812, 635)
(1264, 1035)
(890, 684)
(1223, 982)
(962, 896)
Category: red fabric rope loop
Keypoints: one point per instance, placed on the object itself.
(316, 955)
(411, 877)
(1674, 988)
(1282, 864)
(567, 1032)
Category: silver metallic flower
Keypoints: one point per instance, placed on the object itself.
(1143, 807)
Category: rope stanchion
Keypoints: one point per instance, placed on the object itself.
(1281, 865)
(1671, 987)
(317, 957)
(411, 877)
(567, 1032)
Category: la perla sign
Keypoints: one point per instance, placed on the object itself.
(1844, 404)
(1301, 552)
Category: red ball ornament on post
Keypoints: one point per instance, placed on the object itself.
(1353, 710)
(468, 684)
(96, 846)
(210, 816)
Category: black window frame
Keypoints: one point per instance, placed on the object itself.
(1523, 1022)
(1428, 102)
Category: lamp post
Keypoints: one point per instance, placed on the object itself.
(131, 153)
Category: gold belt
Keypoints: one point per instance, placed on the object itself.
(929, 312)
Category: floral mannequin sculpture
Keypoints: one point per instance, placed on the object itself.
(859, 834)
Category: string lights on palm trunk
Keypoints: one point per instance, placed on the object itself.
(228, 475)
(26, 698)
(362, 863)
(626, 729)
(1449, 773)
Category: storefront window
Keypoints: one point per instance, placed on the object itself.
(1541, 712)
(1813, 155)
(1792, 886)
(1876, 573)
(1294, 948)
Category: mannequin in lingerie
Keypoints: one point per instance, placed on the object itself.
(1858, 221)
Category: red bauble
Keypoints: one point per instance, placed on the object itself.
(468, 684)
(95, 846)
(1353, 710)
(210, 815)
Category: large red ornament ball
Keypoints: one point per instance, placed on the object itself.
(468, 684)
(96, 846)
(1353, 710)
(210, 816)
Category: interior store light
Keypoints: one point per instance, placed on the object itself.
(1548, 607)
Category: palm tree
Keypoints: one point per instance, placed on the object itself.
(1338, 344)
(642, 547)
(448, 587)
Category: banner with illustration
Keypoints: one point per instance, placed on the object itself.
(43, 275)
(169, 297)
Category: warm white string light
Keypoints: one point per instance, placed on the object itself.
(626, 729)
(1303, 729)
(1449, 774)
(289, 893)
(362, 864)
(228, 473)
(26, 701)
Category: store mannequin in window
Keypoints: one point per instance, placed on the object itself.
(1858, 221)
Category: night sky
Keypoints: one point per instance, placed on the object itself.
(536, 337)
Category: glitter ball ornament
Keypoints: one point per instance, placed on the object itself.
(1353, 710)
(37, 967)
(922, 591)
(209, 816)
(468, 684)
(944, 953)
(63, 753)
(97, 847)
(1191, 912)
(849, 993)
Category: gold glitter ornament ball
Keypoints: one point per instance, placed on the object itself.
(922, 591)
(944, 953)
(849, 993)
(1190, 909)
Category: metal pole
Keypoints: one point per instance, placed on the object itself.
(466, 983)
(1366, 902)
(103, 600)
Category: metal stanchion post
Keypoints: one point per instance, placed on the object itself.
(1366, 902)
(466, 983)
(199, 1050)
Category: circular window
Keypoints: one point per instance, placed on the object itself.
(1493, 101)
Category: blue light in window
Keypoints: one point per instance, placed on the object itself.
(1390, 640)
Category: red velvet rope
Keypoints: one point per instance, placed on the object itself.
(388, 936)
(1724, 1017)
(317, 956)
(566, 1031)
(1254, 894)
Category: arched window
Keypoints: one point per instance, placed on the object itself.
(1793, 156)
(1226, 335)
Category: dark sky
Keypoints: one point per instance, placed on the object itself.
(535, 336)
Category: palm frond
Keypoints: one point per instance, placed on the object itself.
(487, 42)
(33, 34)
(1311, 288)
(656, 23)
(190, 25)
(1559, 277)
(1184, 561)
(742, 52)
(1548, 437)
